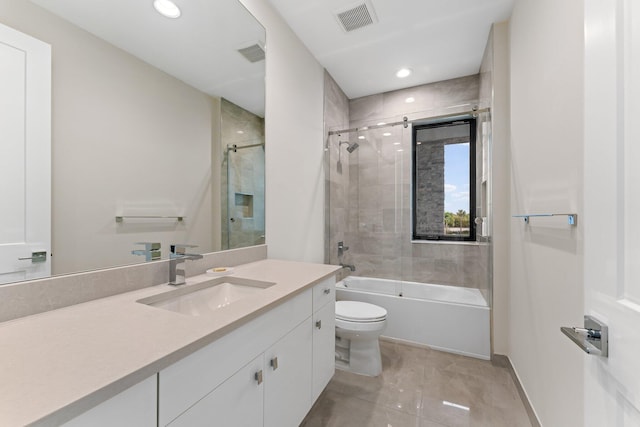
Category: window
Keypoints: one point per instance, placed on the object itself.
(444, 180)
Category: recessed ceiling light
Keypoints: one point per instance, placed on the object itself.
(361, 137)
(397, 143)
(403, 72)
(409, 100)
(400, 150)
(386, 134)
(240, 132)
(381, 124)
(167, 8)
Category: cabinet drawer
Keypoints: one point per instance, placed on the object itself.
(324, 292)
(185, 382)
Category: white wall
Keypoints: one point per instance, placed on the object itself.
(294, 142)
(546, 61)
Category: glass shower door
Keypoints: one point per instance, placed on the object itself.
(244, 213)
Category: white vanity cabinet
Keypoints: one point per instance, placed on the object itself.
(134, 407)
(271, 390)
(267, 372)
(324, 338)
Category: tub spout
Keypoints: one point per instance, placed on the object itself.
(349, 266)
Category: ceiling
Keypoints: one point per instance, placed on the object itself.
(436, 39)
(200, 48)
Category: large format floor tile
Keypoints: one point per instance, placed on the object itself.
(422, 388)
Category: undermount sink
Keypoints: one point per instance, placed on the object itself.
(206, 297)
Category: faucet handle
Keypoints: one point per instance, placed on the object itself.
(180, 248)
(151, 250)
(342, 246)
(149, 246)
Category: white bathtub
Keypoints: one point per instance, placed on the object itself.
(448, 318)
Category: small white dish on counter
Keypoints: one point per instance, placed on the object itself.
(220, 271)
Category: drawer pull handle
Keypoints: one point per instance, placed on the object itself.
(327, 291)
(319, 324)
(274, 363)
(258, 377)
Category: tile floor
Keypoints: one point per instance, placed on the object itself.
(421, 388)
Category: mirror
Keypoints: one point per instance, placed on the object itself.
(157, 126)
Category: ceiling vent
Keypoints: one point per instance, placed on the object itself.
(356, 17)
(253, 53)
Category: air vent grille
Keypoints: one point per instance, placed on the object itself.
(355, 18)
(253, 53)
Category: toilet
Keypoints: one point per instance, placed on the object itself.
(358, 326)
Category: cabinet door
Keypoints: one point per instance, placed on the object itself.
(237, 402)
(134, 407)
(324, 344)
(287, 394)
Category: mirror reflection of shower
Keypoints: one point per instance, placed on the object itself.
(351, 147)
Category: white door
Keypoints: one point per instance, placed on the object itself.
(612, 208)
(25, 156)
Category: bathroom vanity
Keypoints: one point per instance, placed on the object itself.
(262, 359)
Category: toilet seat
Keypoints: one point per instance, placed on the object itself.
(359, 312)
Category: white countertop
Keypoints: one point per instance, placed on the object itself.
(56, 365)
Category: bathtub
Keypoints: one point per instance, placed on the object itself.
(448, 318)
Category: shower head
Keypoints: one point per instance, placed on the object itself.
(350, 147)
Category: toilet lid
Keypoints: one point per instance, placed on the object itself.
(356, 311)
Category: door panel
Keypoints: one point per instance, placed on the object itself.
(611, 203)
(25, 155)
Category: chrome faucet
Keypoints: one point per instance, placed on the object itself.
(349, 266)
(178, 256)
(151, 251)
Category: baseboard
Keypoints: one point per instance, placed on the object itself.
(504, 362)
(432, 347)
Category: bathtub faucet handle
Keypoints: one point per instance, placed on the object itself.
(342, 248)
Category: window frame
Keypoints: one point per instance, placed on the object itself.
(472, 180)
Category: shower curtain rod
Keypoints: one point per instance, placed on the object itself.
(405, 121)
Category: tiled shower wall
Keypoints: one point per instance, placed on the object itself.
(369, 200)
